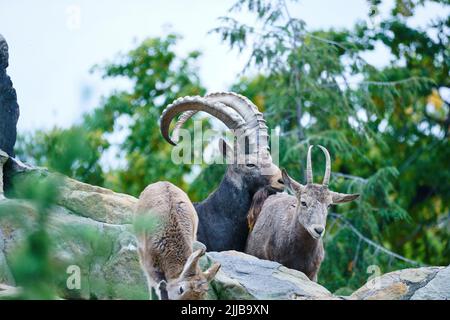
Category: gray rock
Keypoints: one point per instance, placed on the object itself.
(98, 203)
(437, 288)
(9, 109)
(104, 253)
(397, 285)
(246, 277)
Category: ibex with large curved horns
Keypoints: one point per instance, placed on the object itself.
(222, 216)
(289, 229)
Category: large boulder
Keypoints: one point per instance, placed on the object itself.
(9, 109)
(105, 253)
(92, 230)
(99, 204)
(408, 284)
(246, 277)
(438, 288)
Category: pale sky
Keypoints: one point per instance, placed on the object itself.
(51, 51)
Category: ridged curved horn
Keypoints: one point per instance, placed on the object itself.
(326, 177)
(255, 127)
(196, 103)
(309, 172)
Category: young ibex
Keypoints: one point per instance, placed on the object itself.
(289, 229)
(165, 249)
(223, 214)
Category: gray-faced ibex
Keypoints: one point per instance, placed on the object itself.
(165, 249)
(289, 229)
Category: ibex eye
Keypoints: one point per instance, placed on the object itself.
(181, 290)
(303, 203)
(250, 165)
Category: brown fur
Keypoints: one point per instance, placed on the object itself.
(257, 203)
(165, 251)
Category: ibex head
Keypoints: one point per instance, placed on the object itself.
(192, 284)
(315, 199)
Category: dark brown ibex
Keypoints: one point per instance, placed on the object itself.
(222, 215)
(289, 229)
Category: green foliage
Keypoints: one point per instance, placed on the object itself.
(32, 265)
(74, 152)
(158, 78)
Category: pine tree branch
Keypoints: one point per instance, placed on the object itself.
(396, 82)
(371, 83)
(349, 176)
(377, 246)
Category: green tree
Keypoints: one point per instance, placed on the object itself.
(416, 129)
(158, 78)
(74, 152)
(387, 142)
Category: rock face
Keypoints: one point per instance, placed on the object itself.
(438, 288)
(94, 233)
(246, 277)
(92, 230)
(408, 284)
(9, 109)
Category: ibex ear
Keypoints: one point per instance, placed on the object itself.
(226, 150)
(290, 183)
(342, 197)
(190, 267)
(212, 271)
